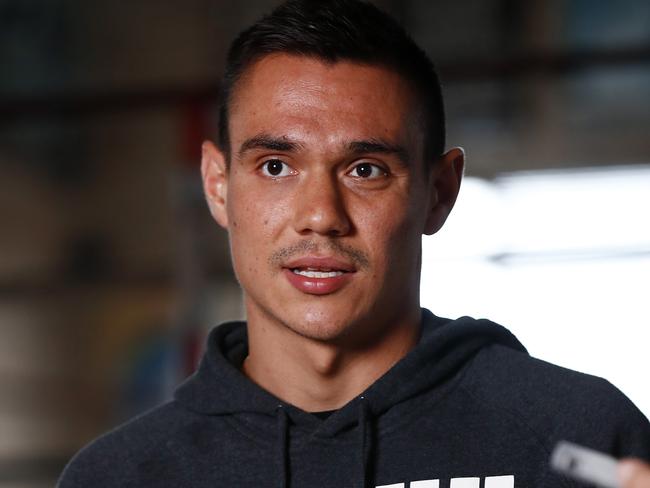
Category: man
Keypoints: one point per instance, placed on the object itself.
(330, 165)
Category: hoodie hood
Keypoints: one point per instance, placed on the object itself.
(218, 387)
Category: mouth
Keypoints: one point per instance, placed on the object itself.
(318, 275)
(320, 266)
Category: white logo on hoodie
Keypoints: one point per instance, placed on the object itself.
(504, 481)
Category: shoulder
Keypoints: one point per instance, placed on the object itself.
(559, 403)
(109, 460)
(498, 368)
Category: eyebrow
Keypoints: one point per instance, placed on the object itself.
(379, 146)
(266, 141)
(358, 148)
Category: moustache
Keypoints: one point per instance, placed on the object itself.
(357, 256)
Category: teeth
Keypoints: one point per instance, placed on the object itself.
(317, 274)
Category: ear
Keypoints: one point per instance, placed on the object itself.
(444, 186)
(214, 172)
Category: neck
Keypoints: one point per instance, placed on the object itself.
(315, 375)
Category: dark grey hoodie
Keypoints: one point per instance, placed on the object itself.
(467, 408)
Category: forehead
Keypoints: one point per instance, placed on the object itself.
(305, 98)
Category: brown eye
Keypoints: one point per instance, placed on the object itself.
(276, 168)
(367, 171)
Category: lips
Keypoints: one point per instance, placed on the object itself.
(316, 275)
(321, 263)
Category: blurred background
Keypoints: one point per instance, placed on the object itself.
(112, 271)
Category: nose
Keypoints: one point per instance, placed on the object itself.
(320, 207)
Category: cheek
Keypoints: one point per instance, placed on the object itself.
(256, 219)
(250, 208)
(399, 228)
(388, 228)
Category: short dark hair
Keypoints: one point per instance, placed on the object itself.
(331, 31)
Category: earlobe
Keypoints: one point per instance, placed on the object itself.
(445, 185)
(214, 173)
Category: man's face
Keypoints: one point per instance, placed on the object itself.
(326, 195)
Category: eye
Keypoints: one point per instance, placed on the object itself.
(367, 171)
(276, 168)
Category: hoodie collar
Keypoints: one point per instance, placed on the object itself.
(219, 387)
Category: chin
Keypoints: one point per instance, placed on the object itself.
(318, 325)
(325, 325)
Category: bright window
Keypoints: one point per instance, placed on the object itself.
(562, 259)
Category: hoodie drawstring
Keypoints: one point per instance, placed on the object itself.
(365, 445)
(283, 447)
(365, 442)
